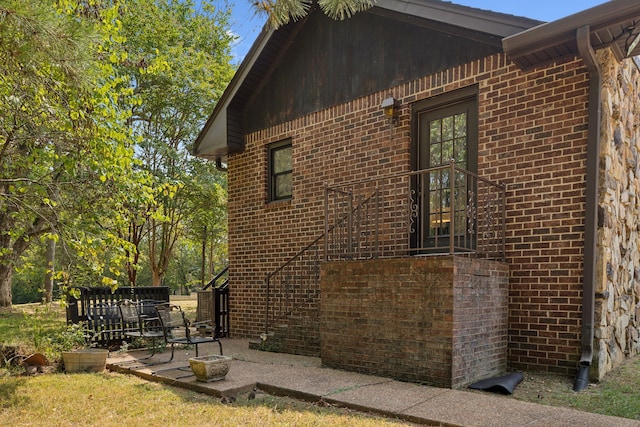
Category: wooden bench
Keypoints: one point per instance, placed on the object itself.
(97, 307)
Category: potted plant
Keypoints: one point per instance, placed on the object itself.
(77, 354)
(210, 368)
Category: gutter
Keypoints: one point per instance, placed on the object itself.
(583, 39)
(219, 165)
(610, 16)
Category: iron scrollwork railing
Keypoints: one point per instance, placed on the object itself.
(439, 210)
(352, 227)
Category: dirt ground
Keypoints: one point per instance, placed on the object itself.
(543, 388)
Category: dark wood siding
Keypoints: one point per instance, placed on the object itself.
(235, 141)
(330, 62)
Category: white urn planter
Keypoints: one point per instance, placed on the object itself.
(210, 368)
(85, 360)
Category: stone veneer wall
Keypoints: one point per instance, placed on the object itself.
(437, 320)
(618, 269)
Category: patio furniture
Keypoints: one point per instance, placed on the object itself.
(103, 319)
(140, 320)
(177, 329)
(97, 307)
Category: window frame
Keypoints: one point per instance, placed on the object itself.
(272, 175)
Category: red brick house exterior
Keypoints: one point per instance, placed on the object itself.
(564, 291)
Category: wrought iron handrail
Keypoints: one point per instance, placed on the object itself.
(447, 210)
(216, 303)
(371, 218)
(307, 274)
(350, 219)
(293, 298)
(217, 277)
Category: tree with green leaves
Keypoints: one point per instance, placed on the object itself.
(281, 12)
(179, 69)
(207, 222)
(63, 131)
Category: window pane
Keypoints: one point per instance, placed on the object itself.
(461, 125)
(446, 199)
(447, 128)
(445, 179)
(434, 224)
(434, 181)
(447, 151)
(283, 184)
(436, 159)
(461, 150)
(434, 200)
(282, 160)
(434, 132)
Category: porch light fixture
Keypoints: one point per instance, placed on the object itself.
(391, 108)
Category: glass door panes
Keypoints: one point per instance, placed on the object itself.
(445, 134)
(447, 141)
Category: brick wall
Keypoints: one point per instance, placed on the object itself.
(480, 321)
(296, 334)
(535, 143)
(437, 320)
(532, 137)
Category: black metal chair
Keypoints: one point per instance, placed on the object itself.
(177, 329)
(140, 320)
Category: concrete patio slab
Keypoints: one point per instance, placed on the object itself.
(303, 378)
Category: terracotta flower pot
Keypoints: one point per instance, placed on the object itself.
(210, 368)
(85, 360)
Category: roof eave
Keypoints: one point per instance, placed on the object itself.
(523, 48)
(209, 145)
(484, 21)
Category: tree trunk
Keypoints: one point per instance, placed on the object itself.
(212, 244)
(162, 238)
(156, 277)
(49, 273)
(156, 269)
(204, 257)
(134, 236)
(6, 271)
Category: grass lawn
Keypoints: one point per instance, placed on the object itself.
(111, 399)
(617, 395)
(107, 399)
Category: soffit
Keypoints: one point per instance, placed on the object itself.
(612, 24)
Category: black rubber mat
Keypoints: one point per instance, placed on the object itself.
(504, 384)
